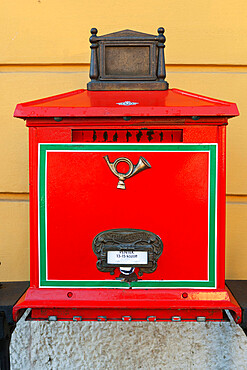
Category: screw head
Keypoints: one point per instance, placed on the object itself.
(58, 119)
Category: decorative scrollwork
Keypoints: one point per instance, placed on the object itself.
(127, 240)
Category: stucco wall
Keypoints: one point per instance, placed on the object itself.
(45, 51)
(134, 345)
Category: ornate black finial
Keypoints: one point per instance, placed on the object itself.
(161, 72)
(161, 36)
(94, 71)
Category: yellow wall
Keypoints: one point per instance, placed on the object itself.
(45, 51)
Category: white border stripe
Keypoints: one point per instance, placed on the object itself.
(130, 151)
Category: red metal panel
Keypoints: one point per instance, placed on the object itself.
(83, 103)
(53, 135)
(114, 303)
(49, 135)
(127, 315)
(33, 186)
(200, 134)
(126, 122)
(64, 135)
(221, 206)
(80, 205)
(36, 136)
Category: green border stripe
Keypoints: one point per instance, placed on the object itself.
(212, 211)
(42, 219)
(120, 284)
(128, 148)
(85, 283)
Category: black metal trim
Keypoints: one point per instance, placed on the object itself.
(238, 289)
(10, 293)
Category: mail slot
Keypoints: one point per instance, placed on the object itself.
(127, 194)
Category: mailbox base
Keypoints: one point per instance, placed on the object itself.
(117, 304)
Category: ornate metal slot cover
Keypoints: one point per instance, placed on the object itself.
(127, 248)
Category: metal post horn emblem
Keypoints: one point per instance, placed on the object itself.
(133, 169)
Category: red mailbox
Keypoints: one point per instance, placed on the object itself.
(127, 194)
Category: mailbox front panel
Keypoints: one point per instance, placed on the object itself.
(175, 199)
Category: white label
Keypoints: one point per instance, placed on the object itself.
(127, 257)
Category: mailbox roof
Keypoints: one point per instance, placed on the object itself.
(84, 103)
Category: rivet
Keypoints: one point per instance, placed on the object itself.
(58, 119)
(201, 318)
(176, 318)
